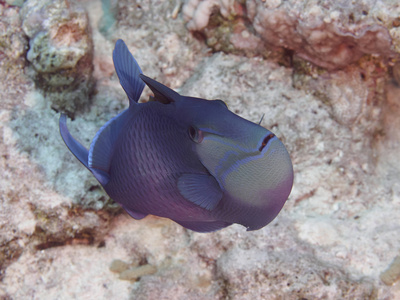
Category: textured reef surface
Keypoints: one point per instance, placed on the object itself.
(326, 77)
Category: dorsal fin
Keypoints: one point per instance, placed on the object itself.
(162, 93)
(103, 144)
(128, 72)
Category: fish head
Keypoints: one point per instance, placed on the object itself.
(251, 165)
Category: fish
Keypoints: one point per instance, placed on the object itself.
(188, 159)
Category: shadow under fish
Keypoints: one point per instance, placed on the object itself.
(184, 158)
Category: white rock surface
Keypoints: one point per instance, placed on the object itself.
(334, 237)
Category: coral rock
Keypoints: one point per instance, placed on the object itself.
(60, 51)
(330, 34)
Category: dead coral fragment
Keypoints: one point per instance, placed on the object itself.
(136, 273)
(392, 274)
(131, 272)
(119, 266)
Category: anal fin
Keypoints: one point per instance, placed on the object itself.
(103, 144)
(203, 226)
(134, 214)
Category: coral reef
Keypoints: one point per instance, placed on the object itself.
(330, 34)
(109, 17)
(60, 51)
(62, 238)
(162, 50)
(13, 42)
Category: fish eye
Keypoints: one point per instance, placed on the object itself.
(195, 134)
(265, 141)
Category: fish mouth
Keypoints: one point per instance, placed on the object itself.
(265, 141)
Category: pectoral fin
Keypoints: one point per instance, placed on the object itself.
(200, 189)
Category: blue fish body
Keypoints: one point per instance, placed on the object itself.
(188, 159)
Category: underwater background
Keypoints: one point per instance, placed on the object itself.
(326, 77)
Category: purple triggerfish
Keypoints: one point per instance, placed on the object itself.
(187, 159)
